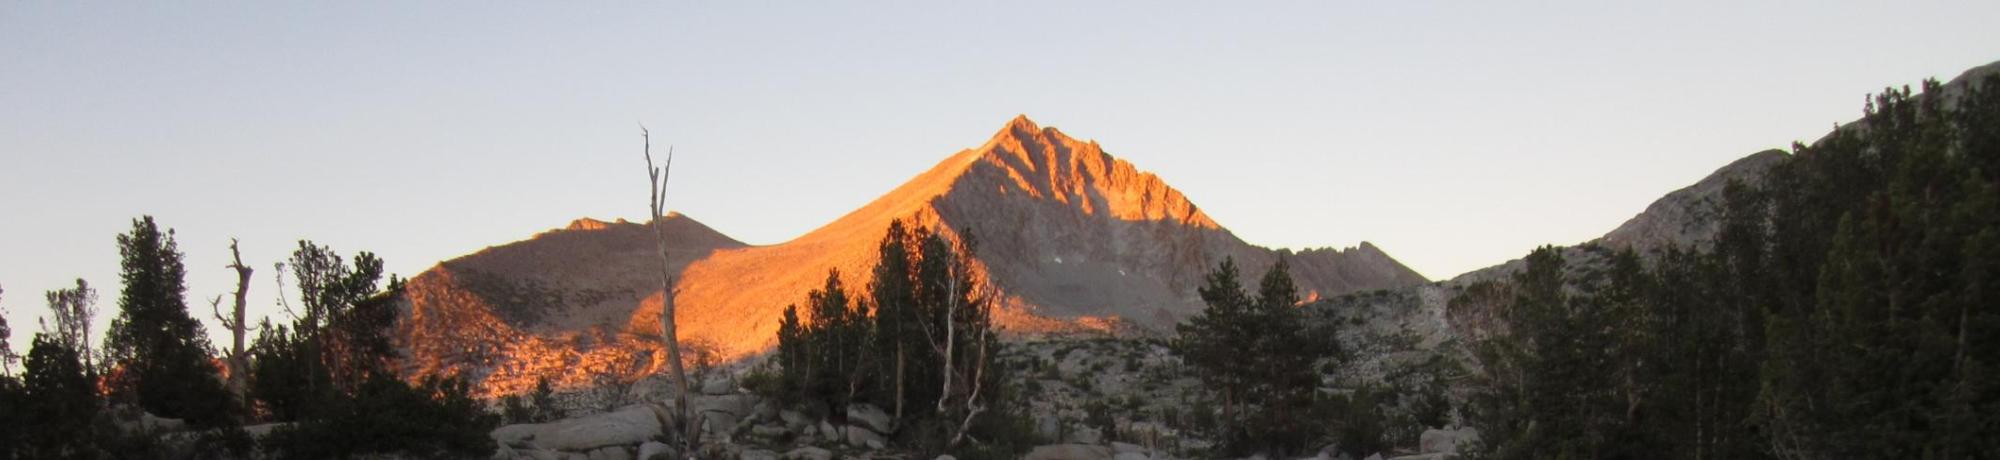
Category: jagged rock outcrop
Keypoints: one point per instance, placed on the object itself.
(1692, 216)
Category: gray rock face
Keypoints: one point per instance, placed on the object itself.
(1085, 435)
(734, 404)
(794, 420)
(719, 423)
(1069, 452)
(259, 431)
(721, 415)
(809, 453)
(1048, 426)
(1075, 232)
(718, 386)
(505, 453)
(1426, 457)
(611, 453)
(826, 431)
(1691, 216)
(625, 427)
(769, 431)
(858, 436)
(149, 423)
(1686, 218)
(1446, 441)
(757, 454)
(652, 449)
(869, 416)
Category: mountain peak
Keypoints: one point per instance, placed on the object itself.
(1020, 130)
(1043, 163)
(1022, 122)
(586, 223)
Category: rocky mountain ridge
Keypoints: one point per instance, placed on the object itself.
(1069, 238)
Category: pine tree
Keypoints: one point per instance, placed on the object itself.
(1258, 354)
(928, 346)
(833, 347)
(1535, 403)
(59, 401)
(1882, 247)
(1283, 378)
(543, 400)
(793, 358)
(285, 378)
(1209, 340)
(14, 418)
(160, 352)
(959, 337)
(345, 318)
(335, 345)
(893, 292)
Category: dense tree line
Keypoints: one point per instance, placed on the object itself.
(326, 377)
(1258, 354)
(330, 372)
(1846, 309)
(919, 342)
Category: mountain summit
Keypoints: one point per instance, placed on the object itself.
(1069, 237)
(1067, 233)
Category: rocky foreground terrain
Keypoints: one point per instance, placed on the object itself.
(1090, 397)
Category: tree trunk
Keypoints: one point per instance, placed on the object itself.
(657, 178)
(899, 377)
(239, 361)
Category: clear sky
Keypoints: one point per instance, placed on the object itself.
(1454, 136)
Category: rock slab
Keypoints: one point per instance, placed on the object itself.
(1069, 452)
(629, 426)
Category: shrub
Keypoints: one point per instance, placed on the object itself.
(435, 418)
(1359, 429)
(1098, 414)
(767, 383)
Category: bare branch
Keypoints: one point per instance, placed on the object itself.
(279, 267)
(215, 309)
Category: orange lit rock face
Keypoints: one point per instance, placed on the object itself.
(1069, 236)
(554, 305)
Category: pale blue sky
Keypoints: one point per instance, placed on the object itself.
(1454, 136)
